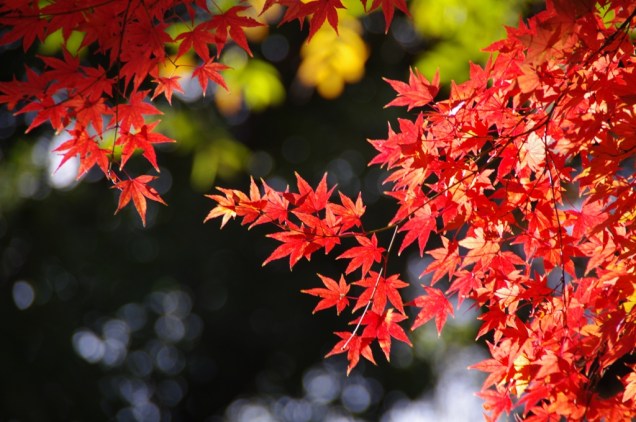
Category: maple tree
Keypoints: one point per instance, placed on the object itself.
(524, 174)
(519, 186)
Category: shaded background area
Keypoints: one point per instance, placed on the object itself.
(105, 320)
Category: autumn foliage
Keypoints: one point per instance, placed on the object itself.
(524, 175)
(519, 186)
(106, 109)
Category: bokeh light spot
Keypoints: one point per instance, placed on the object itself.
(23, 294)
(88, 345)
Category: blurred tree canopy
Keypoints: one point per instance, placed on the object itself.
(183, 323)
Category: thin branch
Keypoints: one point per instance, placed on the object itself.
(375, 287)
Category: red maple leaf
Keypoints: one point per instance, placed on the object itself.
(23, 22)
(309, 201)
(355, 346)
(236, 203)
(298, 242)
(47, 111)
(463, 283)
(434, 305)
(166, 86)
(334, 295)
(388, 9)
(88, 150)
(445, 260)
(321, 11)
(349, 213)
(276, 207)
(90, 112)
(380, 290)
(198, 39)
(417, 93)
(132, 113)
(496, 402)
(230, 22)
(295, 10)
(364, 255)
(419, 227)
(210, 71)
(226, 205)
(145, 140)
(587, 220)
(138, 190)
(383, 327)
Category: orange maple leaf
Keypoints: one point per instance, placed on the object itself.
(138, 190)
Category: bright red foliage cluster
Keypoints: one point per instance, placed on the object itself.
(525, 176)
(520, 186)
(96, 103)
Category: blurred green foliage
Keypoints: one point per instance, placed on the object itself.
(458, 30)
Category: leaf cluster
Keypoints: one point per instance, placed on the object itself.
(525, 175)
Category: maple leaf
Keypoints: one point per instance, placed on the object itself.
(230, 22)
(532, 397)
(236, 203)
(210, 71)
(349, 213)
(298, 242)
(419, 227)
(355, 346)
(384, 326)
(226, 205)
(388, 9)
(495, 369)
(380, 290)
(295, 9)
(417, 93)
(131, 113)
(496, 402)
(166, 86)
(585, 221)
(138, 190)
(495, 319)
(334, 295)
(90, 112)
(463, 283)
(532, 153)
(88, 150)
(145, 140)
(321, 10)
(198, 39)
(276, 207)
(482, 246)
(434, 305)
(364, 255)
(47, 111)
(309, 201)
(25, 24)
(61, 69)
(446, 260)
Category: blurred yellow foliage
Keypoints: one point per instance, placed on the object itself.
(330, 60)
(181, 66)
(253, 83)
(461, 29)
(259, 33)
(54, 42)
